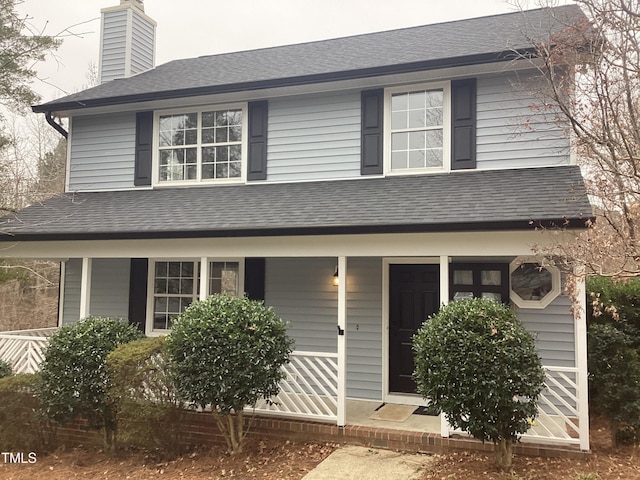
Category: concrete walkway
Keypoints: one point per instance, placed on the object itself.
(360, 463)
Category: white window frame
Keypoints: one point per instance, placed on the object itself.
(156, 332)
(446, 127)
(198, 180)
(544, 302)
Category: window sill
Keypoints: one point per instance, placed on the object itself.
(200, 183)
(417, 171)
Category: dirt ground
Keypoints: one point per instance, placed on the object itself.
(284, 460)
(605, 463)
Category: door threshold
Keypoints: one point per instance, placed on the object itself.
(405, 399)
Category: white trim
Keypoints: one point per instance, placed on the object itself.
(444, 299)
(446, 128)
(387, 396)
(128, 43)
(544, 302)
(124, 6)
(67, 173)
(85, 288)
(204, 278)
(62, 280)
(342, 341)
(101, 50)
(580, 328)
(456, 244)
(149, 330)
(155, 157)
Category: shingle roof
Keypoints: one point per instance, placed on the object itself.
(472, 200)
(464, 42)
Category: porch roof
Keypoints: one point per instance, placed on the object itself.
(457, 201)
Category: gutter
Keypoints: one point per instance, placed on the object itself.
(509, 225)
(463, 61)
(56, 125)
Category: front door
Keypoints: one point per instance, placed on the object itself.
(414, 294)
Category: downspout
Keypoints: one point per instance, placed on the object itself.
(56, 125)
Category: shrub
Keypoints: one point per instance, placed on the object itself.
(615, 303)
(5, 369)
(476, 362)
(149, 412)
(227, 353)
(23, 427)
(614, 380)
(74, 373)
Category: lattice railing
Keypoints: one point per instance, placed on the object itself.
(310, 388)
(559, 408)
(24, 349)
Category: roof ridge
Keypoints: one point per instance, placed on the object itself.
(379, 32)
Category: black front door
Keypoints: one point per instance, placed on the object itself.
(414, 294)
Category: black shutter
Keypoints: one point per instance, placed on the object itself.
(254, 270)
(257, 155)
(372, 106)
(463, 124)
(138, 292)
(144, 142)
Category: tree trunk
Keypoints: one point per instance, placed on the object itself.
(504, 454)
(109, 440)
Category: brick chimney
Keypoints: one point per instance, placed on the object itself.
(127, 41)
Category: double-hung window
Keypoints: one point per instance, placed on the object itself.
(418, 128)
(201, 145)
(175, 284)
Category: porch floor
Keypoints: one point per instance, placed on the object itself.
(360, 411)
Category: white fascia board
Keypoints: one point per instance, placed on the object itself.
(480, 244)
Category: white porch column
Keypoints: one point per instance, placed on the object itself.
(444, 299)
(342, 341)
(85, 288)
(580, 315)
(204, 278)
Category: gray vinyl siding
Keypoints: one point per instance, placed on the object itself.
(113, 45)
(71, 299)
(110, 287)
(364, 328)
(314, 138)
(142, 43)
(510, 133)
(301, 292)
(102, 152)
(553, 328)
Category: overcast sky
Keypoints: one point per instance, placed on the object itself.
(190, 28)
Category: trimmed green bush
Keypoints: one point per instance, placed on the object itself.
(75, 380)
(227, 353)
(614, 381)
(5, 369)
(149, 413)
(23, 426)
(477, 363)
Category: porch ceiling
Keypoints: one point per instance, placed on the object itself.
(460, 201)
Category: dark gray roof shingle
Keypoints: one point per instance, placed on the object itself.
(472, 200)
(463, 42)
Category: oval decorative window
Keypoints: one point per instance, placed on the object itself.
(533, 285)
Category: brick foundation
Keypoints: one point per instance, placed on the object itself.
(200, 429)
